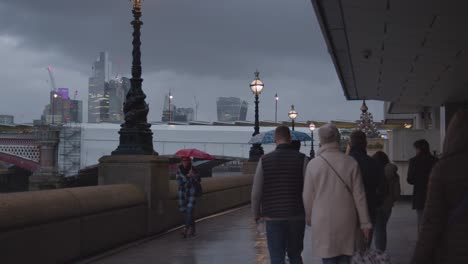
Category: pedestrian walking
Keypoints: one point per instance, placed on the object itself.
(420, 167)
(277, 198)
(188, 181)
(372, 172)
(393, 194)
(335, 200)
(443, 233)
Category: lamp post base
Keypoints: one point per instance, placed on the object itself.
(135, 141)
(256, 151)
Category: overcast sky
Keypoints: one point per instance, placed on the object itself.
(205, 48)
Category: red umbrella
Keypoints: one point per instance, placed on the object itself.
(195, 153)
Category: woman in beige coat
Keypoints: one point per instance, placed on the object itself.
(334, 200)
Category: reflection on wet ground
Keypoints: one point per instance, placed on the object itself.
(233, 238)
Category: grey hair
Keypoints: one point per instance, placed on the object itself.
(329, 133)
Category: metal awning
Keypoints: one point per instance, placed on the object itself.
(405, 52)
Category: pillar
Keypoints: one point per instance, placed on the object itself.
(150, 173)
(47, 177)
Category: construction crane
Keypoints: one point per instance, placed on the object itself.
(52, 80)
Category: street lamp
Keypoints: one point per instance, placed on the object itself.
(293, 115)
(54, 97)
(170, 109)
(136, 137)
(276, 107)
(312, 151)
(256, 151)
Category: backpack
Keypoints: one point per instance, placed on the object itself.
(383, 190)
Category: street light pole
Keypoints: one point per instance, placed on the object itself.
(312, 151)
(256, 151)
(276, 107)
(170, 108)
(293, 115)
(54, 97)
(136, 137)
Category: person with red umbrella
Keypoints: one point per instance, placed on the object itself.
(188, 180)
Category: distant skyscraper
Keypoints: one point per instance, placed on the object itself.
(178, 114)
(166, 111)
(117, 89)
(231, 109)
(98, 91)
(76, 111)
(7, 119)
(62, 109)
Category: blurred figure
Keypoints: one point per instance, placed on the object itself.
(443, 233)
(419, 170)
(335, 200)
(296, 144)
(373, 174)
(277, 198)
(188, 181)
(393, 194)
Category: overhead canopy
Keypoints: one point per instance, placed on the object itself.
(411, 53)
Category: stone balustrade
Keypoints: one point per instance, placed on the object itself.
(57, 226)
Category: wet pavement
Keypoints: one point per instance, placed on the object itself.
(232, 238)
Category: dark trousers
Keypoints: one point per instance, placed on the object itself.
(380, 228)
(285, 237)
(189, 220)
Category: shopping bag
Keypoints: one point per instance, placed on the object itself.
(370, 256)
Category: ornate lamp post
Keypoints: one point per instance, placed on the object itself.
(276, 107)
(256, 151)
(136, 137)
(312, 151)
(293, 115)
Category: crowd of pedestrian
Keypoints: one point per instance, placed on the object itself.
(347, 198)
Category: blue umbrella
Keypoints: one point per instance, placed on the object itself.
(269, 137)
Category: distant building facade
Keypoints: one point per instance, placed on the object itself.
(62, 109)
(106, 95)
(117, 90)
(231, 109)
(98, 93)
(184, 114)
(172, 113)
(7, 119)
(169, 109)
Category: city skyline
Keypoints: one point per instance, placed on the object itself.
(188, 63)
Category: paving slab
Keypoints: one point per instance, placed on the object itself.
(233, 238)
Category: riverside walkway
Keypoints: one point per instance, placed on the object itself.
(232, 238)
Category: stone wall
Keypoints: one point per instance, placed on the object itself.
(57, 226)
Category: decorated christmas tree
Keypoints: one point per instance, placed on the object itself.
(366, 123)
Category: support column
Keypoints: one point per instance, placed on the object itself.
(47, 177)
(149, 173)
